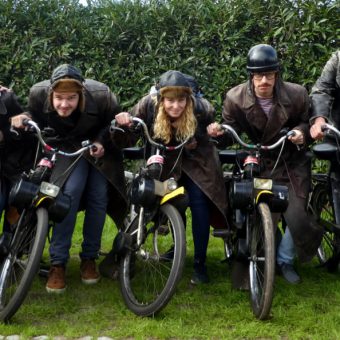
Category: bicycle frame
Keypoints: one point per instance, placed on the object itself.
(330, 153)
(152, 242)
(324, 200)
(38, 202)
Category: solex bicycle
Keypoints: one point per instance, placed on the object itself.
(253, 198)
(325, 198)
(40, 202)
(152, 246)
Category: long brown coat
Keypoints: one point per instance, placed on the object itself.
(290, 110)
(201, 164)
(100, 108)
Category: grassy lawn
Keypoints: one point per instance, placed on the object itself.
(310, 310)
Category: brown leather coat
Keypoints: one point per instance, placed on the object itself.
(200, 164)
(100, 108)
(290, 110)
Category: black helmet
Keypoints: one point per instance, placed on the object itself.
(174, 81)
(262, 58)
(66, 71)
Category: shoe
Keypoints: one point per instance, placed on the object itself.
(200, 274)
(168, 255)
(56, 280)
(289, 274)
(88, 272)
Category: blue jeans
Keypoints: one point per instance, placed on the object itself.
(85, 182)
(286, 250)
(200, 212)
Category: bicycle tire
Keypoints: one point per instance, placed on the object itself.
(323, 210)
(148, 277)
(262, 262)
(22, 263)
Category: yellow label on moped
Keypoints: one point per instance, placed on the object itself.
(172, 194)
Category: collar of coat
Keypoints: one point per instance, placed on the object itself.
(278, 116)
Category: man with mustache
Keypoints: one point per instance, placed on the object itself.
(262, 107)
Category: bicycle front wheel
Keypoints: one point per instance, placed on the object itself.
(323, 210)
(262, 262)
(149, 275)
(22, 263)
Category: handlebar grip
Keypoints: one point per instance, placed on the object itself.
(324, 128)
(291, 133)
(25, 122)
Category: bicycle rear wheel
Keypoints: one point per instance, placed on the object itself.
(22, 263)
(323, 210)
(262, 262)
(149, 275)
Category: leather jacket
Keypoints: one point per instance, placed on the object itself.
(325, 94)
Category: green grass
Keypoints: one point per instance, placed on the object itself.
(310, 310)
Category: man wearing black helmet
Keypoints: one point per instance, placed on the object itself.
(78, 109)
(261, 108)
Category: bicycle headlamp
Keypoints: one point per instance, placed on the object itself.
(22, 194)
(143, 192)
(49, 189)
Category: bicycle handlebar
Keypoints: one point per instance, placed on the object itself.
(86, 145)
(328, 127)
(229, 129)
(148, 137)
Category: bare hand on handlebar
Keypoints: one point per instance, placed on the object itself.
(18, 120)
(316, 130)
(124, 119)
(97, 150)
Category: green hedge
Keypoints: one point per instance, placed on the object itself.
(127, 44)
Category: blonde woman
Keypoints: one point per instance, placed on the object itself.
(172, 114)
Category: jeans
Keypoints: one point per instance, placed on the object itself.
(85, 182)
(286, 250)
(200, 211)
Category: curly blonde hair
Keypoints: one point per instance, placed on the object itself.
(184, 127)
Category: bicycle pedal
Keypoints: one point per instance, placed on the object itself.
(223, 233)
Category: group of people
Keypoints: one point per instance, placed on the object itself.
(78, 109)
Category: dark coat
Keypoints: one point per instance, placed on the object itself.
(201, 164)
(14, 156)
(290, 110)
(325, 95)
(100, 108)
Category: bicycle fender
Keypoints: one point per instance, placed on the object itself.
(179, 191)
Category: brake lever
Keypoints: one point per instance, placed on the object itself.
(14, 133)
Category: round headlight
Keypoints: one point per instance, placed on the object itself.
(172, 184)
(143, 191)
